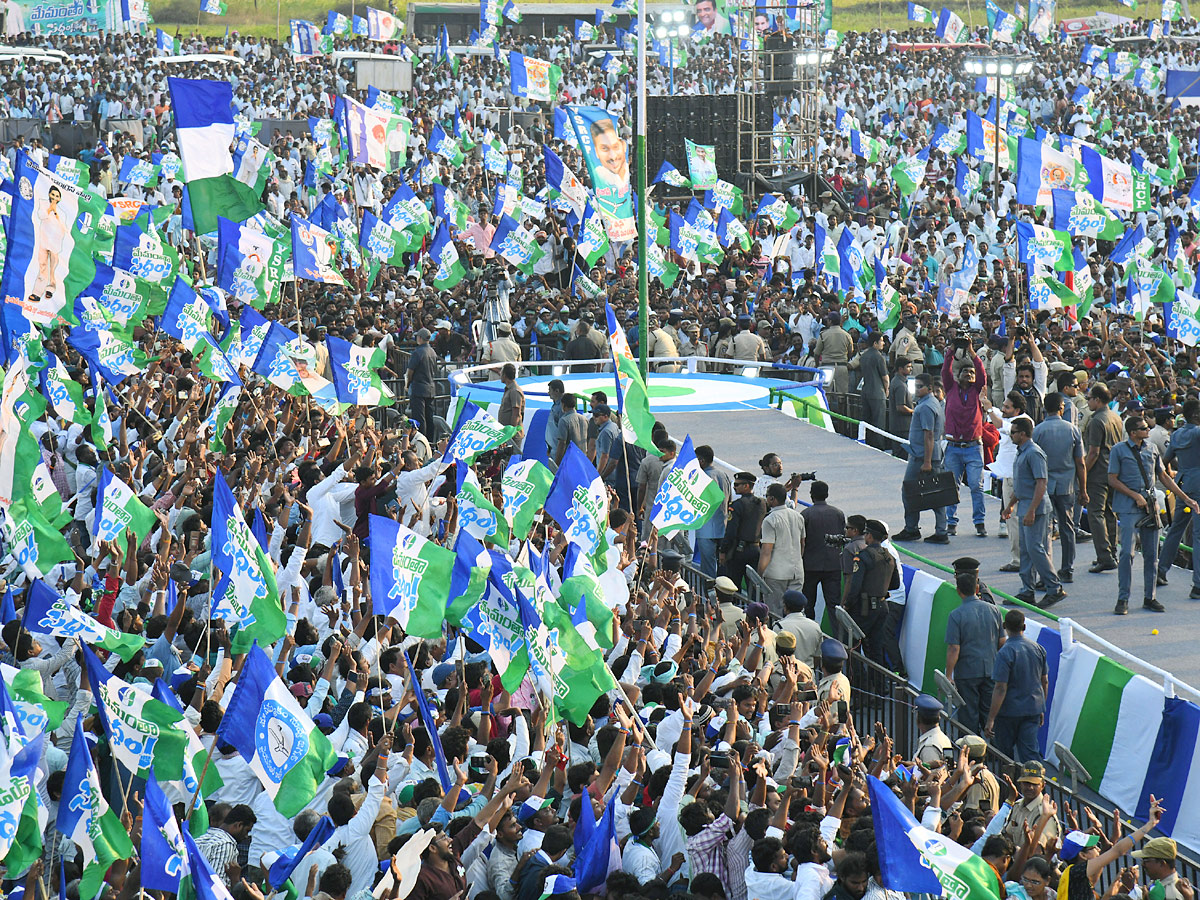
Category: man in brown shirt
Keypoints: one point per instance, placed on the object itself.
(1101, 433)
(512, 404)
(442, 875)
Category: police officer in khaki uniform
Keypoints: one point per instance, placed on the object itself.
(747, 345)
(723, 347)
(834, 348)
(1158, 857)
(725, 593)
(905, 346)
(984, 794)
(501, 350)
(874, 575)
(932, 743)
(1028, 809)
(660, 343)
(834, 685)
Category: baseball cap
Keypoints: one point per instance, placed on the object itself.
(1075, 842)
(532, 807)
(1157, 848)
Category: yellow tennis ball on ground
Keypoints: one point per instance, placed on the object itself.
(1154, 631)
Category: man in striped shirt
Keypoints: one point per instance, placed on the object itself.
(219, 845)
(707, 837)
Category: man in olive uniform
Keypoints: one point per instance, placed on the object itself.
(873, 576)
(1028, 809)
(739, 547)
(834, 348)
(1158, 861)
(932, 743)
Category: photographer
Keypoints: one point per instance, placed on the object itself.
(1133, 465)
(965, 379)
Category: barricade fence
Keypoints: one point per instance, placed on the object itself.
(879, 695)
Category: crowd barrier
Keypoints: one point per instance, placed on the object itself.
(1132, 734)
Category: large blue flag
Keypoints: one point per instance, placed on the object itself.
(596, 850)
(917, 860)
(162, 845)
(578, 502)
(281, 870)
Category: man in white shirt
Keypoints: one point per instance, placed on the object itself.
(353, 829)
(639, 858)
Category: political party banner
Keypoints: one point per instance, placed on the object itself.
(50, 232)
(605, 152)
(702, 164)
(1042, 18)
(48, 17)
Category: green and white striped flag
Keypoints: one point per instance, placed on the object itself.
(410, 578)
(687, 497)
(477, 515)
(35, 711)
(217, 421)
(46, 612)
(144, 734)
(1099, 713)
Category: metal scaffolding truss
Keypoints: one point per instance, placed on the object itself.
(778, 88)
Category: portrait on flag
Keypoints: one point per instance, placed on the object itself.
(50, 233)
(606, 154)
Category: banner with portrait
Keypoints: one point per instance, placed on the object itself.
(51, 232)
(607, 156)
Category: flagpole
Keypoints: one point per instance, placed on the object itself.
(642, 212)
(199, 781)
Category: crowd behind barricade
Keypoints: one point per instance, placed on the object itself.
(679, 744)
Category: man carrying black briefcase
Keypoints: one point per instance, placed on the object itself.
(926, 484)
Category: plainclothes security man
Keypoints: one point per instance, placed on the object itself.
(932, 743)
(874, 575)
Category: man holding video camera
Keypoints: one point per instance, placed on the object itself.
(1133, 465)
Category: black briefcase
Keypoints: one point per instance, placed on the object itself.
(931, 490)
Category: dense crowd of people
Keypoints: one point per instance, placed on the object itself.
(721, 758)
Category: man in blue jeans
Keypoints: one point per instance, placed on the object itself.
(1184, 452)
(1019, 696)
(964, 378)
(1133, 466)
(925, 456)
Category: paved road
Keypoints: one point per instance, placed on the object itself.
(867, 481)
